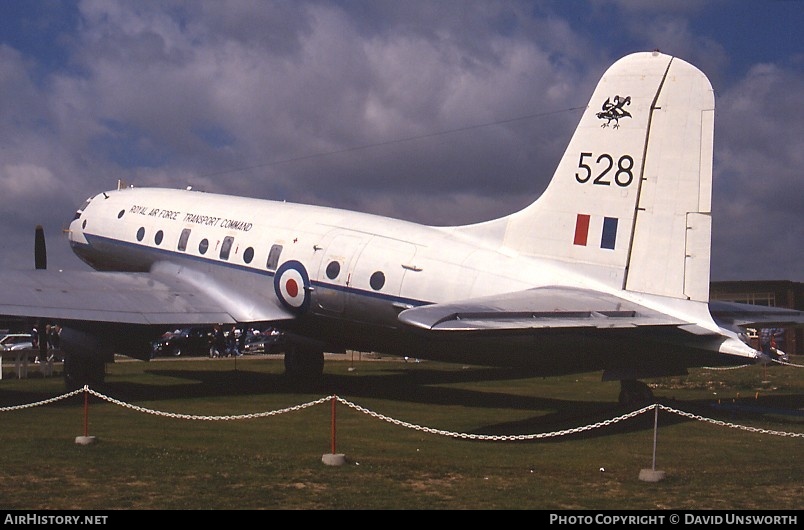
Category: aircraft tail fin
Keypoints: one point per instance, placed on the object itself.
(630, 201)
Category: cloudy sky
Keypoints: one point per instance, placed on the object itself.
(437, 111)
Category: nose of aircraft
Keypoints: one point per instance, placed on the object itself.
(75, 232)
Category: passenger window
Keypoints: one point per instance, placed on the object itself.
(377, 280)
(203, 246)
(158, 237)
(140, 234)
(226, 247)
(183, 238)
(273, 257)
(333, 269)
(248, 255)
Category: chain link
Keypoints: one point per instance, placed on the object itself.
(786, 363)
(43, 402)
(206, 418)
(724, 368)
(382, 417)
(777, 361)
(497, 438)
(731, 425)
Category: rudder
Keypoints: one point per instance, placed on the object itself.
(671, 248)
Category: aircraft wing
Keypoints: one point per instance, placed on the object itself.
(122, 297)
(732, 314)
(543, 307)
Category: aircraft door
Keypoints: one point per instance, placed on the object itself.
(334, 272)
(377, 278)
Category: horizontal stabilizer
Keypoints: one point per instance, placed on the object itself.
(731, 314)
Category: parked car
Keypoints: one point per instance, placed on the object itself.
(191, 341)
(266, 342)
(16, 341)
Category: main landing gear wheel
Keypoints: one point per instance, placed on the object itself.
(81, 370)
(635, 393)
(304, 368)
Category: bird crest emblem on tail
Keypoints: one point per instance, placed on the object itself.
(614, 111)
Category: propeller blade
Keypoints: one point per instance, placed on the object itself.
(40, 252)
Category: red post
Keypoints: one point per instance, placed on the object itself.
(333, 424)
(86, 412)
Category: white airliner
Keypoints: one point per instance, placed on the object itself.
(608, 270)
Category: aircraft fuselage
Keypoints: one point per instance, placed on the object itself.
(356, 267)
(343, 276)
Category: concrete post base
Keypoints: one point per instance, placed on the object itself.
(334, 459)
(651, 475)
(85, 440)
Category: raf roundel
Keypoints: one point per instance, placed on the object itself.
(292, 286)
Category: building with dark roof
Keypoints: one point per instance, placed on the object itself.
(772, 293)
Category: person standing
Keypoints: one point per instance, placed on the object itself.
(241, 342)
(54, 341)
(765, 336)
(35, 342)
(43, 339)
(218, 342)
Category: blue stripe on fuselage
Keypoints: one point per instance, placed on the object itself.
(244, 268)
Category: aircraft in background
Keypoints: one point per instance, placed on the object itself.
(607, 270)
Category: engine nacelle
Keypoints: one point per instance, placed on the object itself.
(87, 349)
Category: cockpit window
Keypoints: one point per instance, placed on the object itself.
(81, 209)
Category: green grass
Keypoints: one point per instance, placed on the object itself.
(143, 461)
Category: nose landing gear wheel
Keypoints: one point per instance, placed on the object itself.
(635, 393)
(304, 368)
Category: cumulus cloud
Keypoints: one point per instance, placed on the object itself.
(440, 112)
(760, 151)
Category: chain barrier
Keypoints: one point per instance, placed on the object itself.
(206, 418)
(723, 368)
(787, 363)
(382, 417)
(728, 424)
(43, 402)
(777, 361)
(498, 438)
